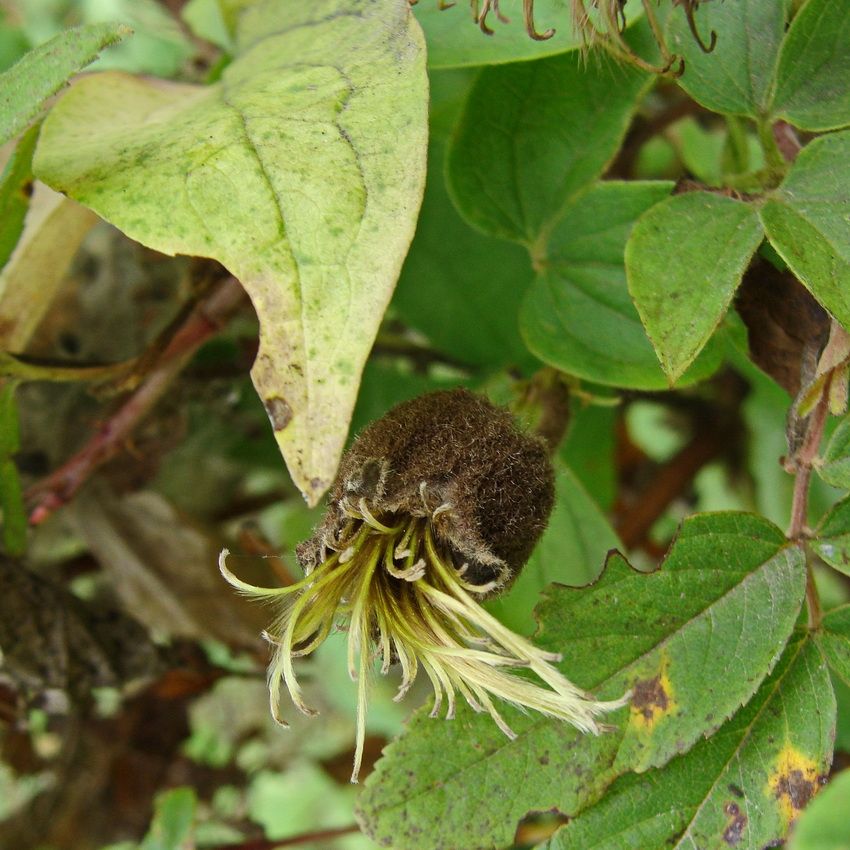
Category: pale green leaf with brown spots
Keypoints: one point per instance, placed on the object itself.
(301, 171)
(693, 641)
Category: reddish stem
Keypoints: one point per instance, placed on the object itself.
(671, 480)
(802, 468)
(59, 487)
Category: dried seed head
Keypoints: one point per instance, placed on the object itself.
(436, 506)
(458, 460)
(600, 22)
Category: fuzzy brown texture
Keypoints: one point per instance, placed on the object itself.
(455, 457)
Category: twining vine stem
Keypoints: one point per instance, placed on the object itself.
(58, 488)
(803, 461)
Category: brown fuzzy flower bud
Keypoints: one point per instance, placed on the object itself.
(456, 459)
(436, 506)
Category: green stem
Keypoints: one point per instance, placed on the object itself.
(26, 369)
(739, 153)
(776, 164)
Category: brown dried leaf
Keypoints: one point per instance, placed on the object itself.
(786, 327)
(164, 566)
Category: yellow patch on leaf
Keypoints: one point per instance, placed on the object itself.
(653, 698)
(794, 780)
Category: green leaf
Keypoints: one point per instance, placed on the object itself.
(815, 55)
(15, 190)
(806, 221)
(460, 288)
(832, 539)
(173, 821)
(535, 134)
(688, 622)
(461, 783)
(684, 261)
(301, 171)
(834, 465)
(572, 551)
(578, 315)
(207, 21)
(740, 788)
(736, 78)
(693, 640)
(589, 450)
(824, 826)
(834, 641)
(45, 69)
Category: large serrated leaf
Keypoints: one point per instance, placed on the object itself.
(684, 261)
(741, 788)
(806, 221)
(693, 640)
(521, 148)
(578, 315)
(698, 641)
(301, 171)
(45, 69)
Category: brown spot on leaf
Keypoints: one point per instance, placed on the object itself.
(649, 695)
(797, 787)
(537, 826)
(653, 698)
(279, 411)
(737, 824)
(795, 780)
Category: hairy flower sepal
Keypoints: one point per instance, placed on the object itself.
(396, 589)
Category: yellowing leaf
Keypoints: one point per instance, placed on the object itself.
(301, 171)
(54, 228)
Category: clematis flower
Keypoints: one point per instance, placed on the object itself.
(436, 507)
